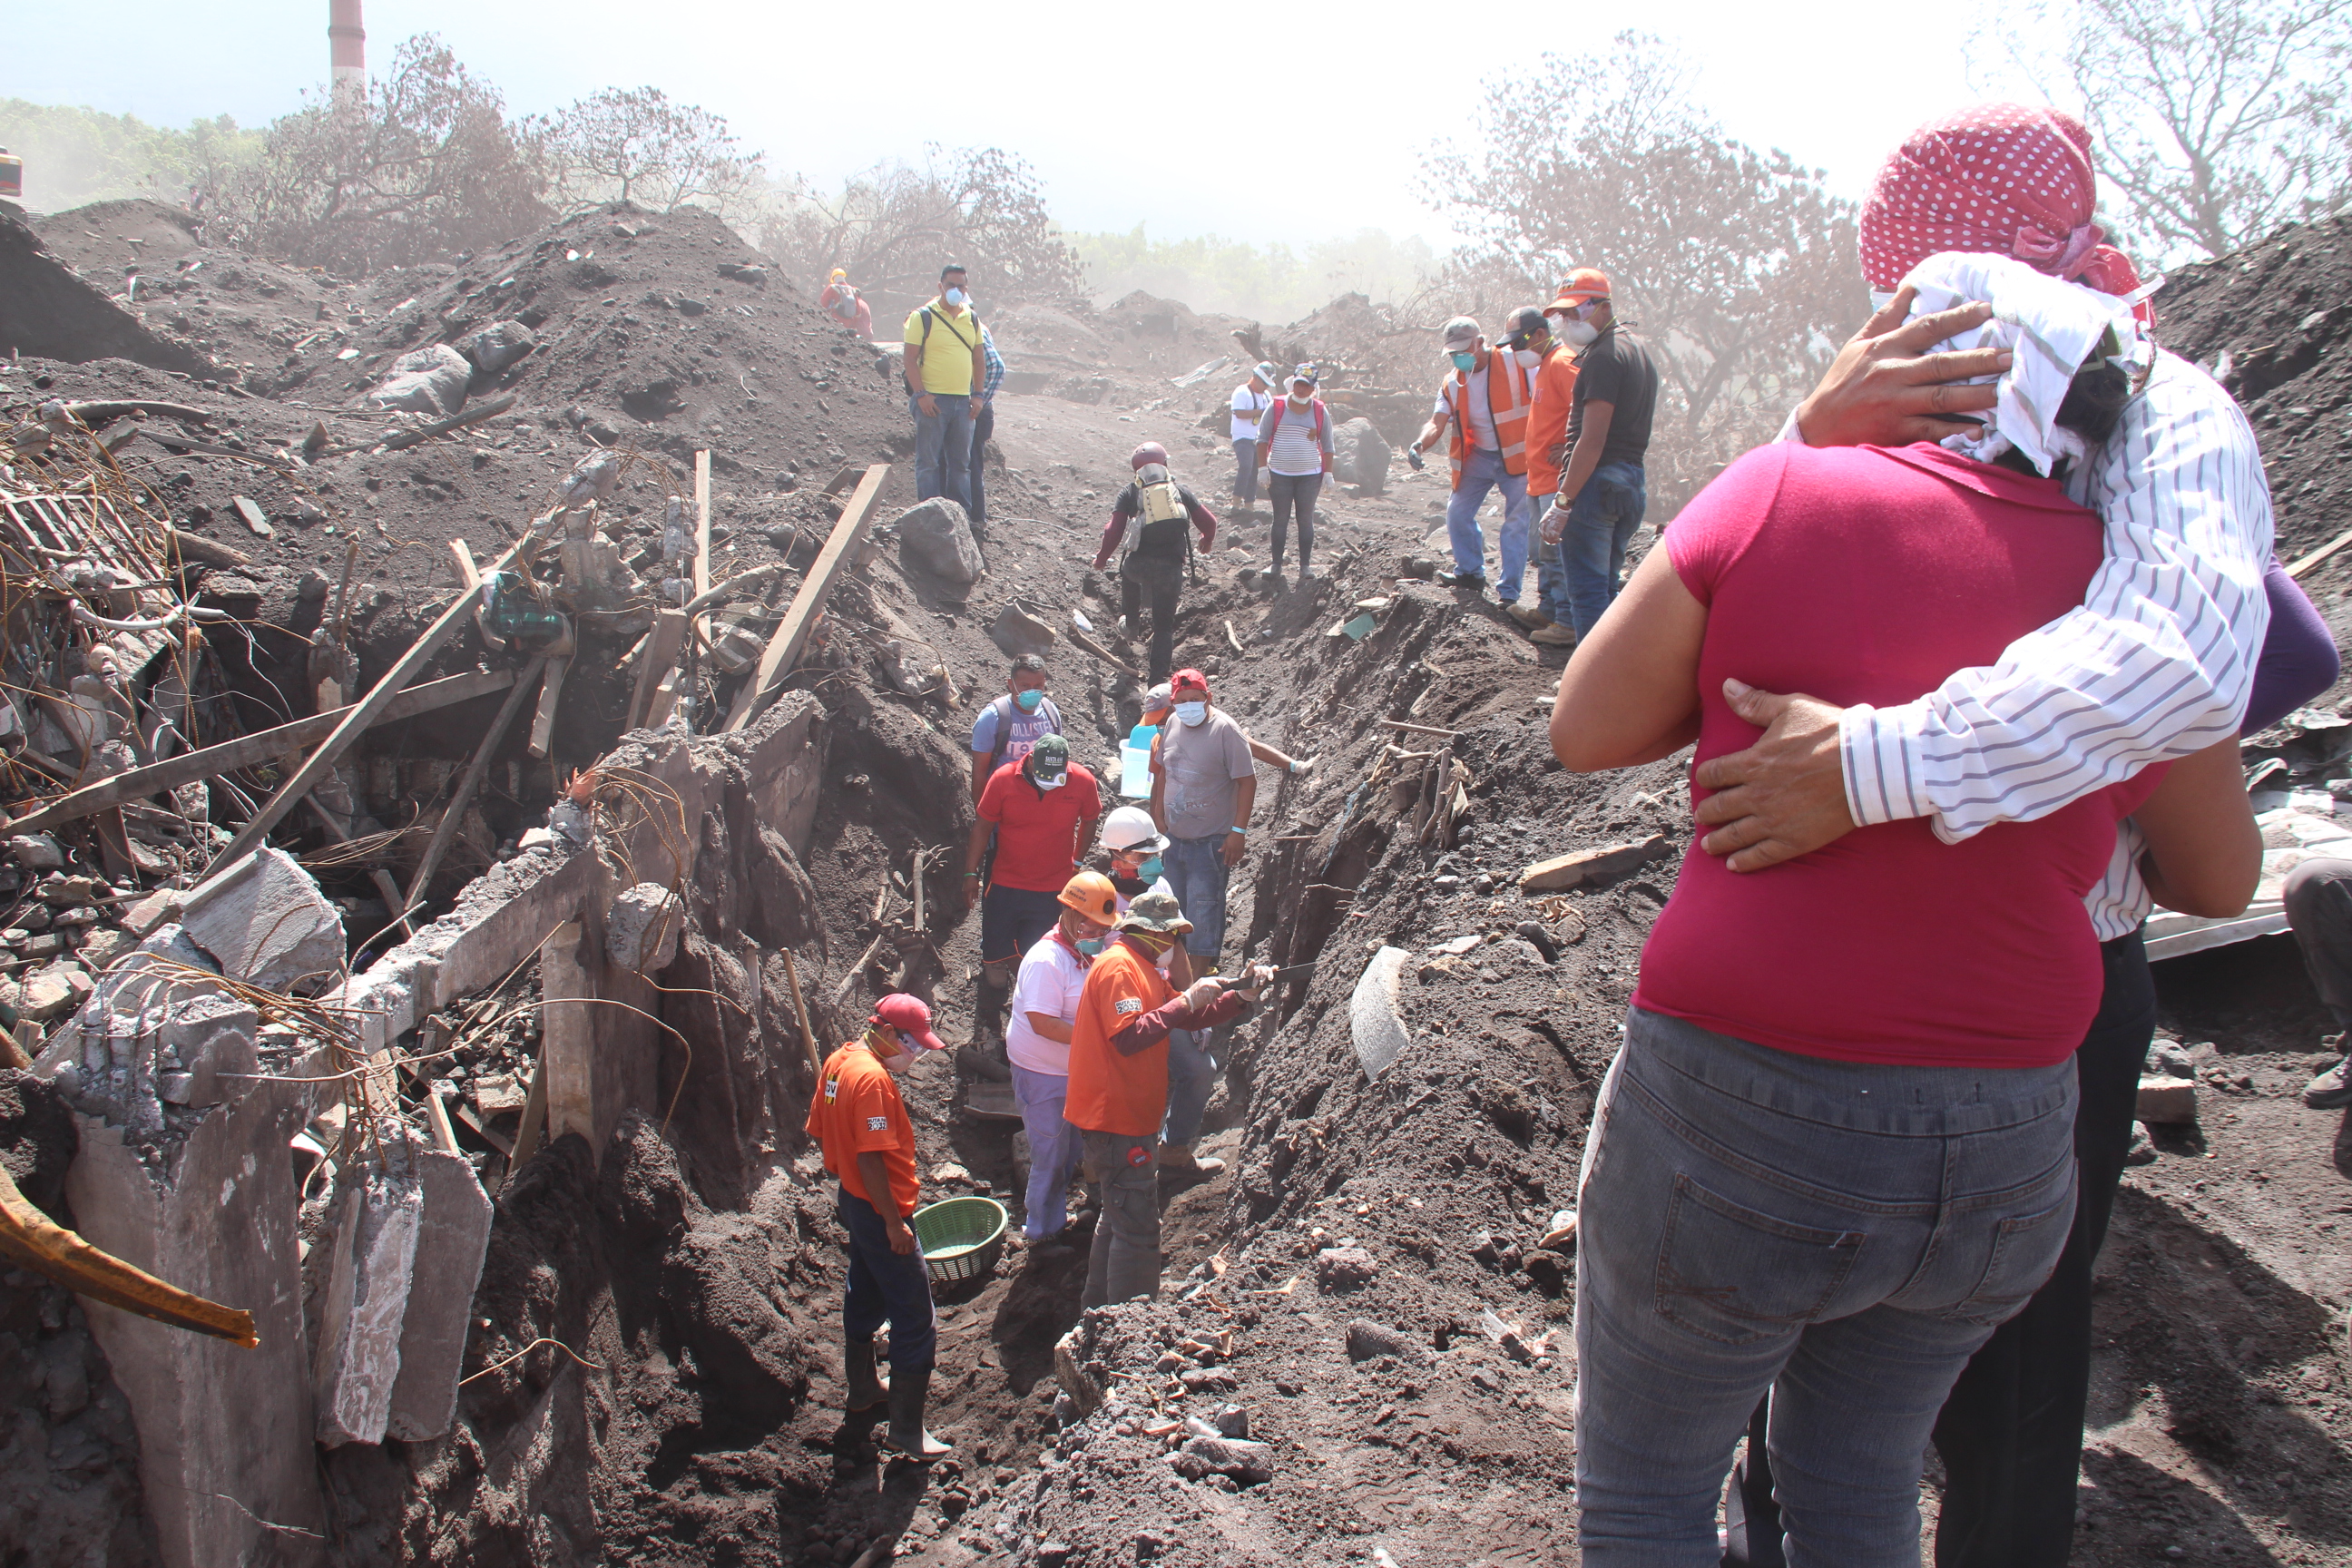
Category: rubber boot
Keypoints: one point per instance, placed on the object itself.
(866, 1388)
(909, 1392)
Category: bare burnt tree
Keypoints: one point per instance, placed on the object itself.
(1737, 265)
(636, 145)
(2217, 120)
(426, 166)
(892, 226)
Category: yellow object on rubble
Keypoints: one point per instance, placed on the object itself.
(29, 1240)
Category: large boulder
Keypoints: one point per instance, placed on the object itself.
(495, 347)
(935, 538)
(1360, 457)
(429, 381)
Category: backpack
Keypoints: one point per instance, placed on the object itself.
(1162, 517)
(1282, 402)
(973, 316)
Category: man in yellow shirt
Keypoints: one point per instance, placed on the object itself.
(946, 368)
(869, 1146)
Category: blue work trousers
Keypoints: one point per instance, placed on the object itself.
(1600, 526)
(885, 1287)
(1482, 472)
(943, 449)
(1052, 1150)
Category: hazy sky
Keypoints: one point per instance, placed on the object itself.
(1285, 121)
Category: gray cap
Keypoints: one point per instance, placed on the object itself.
(1266, 373)
(1461, 333)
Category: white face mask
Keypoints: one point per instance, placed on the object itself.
(1527, 357)
(955, 296)
(1580, 334)
(1049, 784)
(900, 1062)
(1558, 324)
(1191, 713)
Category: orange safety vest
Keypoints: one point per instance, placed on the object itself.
(1510, 415)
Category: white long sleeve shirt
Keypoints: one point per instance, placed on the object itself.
(2155, 665)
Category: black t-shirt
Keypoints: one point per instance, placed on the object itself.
(1156, 538)
(1614, 368)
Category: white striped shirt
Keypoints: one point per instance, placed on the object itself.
(2156, 664)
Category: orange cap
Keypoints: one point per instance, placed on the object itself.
(1584, 283)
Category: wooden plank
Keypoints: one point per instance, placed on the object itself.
(550, 692)
(445, 831)
(359, 717)
(470, 577)
(661, 652)
(801, 1014)
(791, 633)
(534, 1116)
(701, 521)
(665, 699)
(255, 518)
(260, 746)
(2320, 555)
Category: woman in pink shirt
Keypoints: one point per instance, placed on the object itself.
(1836, 1148)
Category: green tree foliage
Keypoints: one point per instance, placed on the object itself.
(894, 226)
(75, 156)
(428, 165)
(2215, 121)
(636, 145)
(1737, 265)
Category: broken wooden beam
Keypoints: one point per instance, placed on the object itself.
(1420, 729)
(791, 633)
(359, 716)
(470, 577)
(550, 692)
(195, 547)
(1564, 871)
(1105, 655)
(660, 653)
(445, 832)
(401, 440)
(2320, 555)
(260, 746)
(801, 1015)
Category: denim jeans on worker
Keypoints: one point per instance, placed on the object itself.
(1052, 1150)
(983, 425)
(1854, 1231)
(1483, 471)
(1192, 1077)
(1197, 872)
(885, 1287)
(1245, 472)
(1551, 570)
(943, 449)
(1599, 525)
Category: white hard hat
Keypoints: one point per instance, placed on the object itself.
(1130, 828)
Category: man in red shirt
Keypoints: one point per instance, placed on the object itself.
(1044, 809)
(860, 1121)
(1118, 1084)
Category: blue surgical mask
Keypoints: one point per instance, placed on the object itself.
(1466, 362)
(1027, 701)
(1090, 945)
(955, 296)
(1056, 782)
(1191, 713)
(1149, 870)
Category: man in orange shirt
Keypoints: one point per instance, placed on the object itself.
(1548, 447)
(869, 1146)
(1118, 1084)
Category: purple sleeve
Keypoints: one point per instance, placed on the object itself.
(2298, 660)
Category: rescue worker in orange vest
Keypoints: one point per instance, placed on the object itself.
(857, 1116)
(1118, 1084)
(1484, 403)
(1546, 447)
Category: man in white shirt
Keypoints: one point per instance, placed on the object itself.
(1250, 402)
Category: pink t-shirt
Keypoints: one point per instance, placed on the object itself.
(1869, 574)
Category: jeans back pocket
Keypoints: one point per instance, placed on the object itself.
(2024, 1249)
(1733, 1274)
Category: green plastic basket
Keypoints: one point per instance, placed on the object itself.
(961, 1239)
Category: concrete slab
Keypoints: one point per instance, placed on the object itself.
(451, 1237)
(380, 1213)
(265, 922)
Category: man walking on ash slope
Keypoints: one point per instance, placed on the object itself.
(1482, 409)
(1147, 518)
(946, 370)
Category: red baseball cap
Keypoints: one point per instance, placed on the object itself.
(1584, 283)
(909, 1016)
(1184, 680)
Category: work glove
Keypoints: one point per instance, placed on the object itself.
(1412, 456)
(1204, 993)
(1255, 979)
(1302, 765)
(1553, 523)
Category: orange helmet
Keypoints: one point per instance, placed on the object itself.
(1091, 895)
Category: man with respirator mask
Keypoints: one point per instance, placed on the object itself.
(1548, 449)
(1009, 726)
(1483, 402)
(946, 370)
(859, 1119)
(1119, 1083)
(1037, 1042)
(1041, 810)
(1603, 489)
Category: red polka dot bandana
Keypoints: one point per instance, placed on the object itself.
(2004, 178)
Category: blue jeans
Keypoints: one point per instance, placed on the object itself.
(1599, 525)
(1192, 1077)
(983, 425)
(885, 1287)
(1854, 1231)
(1052, 1150)
(1480, 472)
(1245, 470)
(943, 449)
(1196, 869)
(1012, 920)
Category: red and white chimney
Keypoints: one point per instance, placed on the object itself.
(349, 43)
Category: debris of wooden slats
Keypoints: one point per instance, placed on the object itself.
(791, 633)
(1105, 655)
(661, 648)
(446, 832)
(255, 518)
(551, 693)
